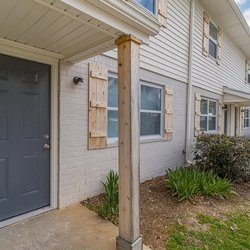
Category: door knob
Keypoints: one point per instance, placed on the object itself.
(46, 146)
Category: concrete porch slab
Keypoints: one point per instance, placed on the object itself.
(71, 228)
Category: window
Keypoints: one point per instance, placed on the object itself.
(151, 109)
(247, 118)
(112, 106)
(248, 76)
(208, 118)
(148, 4)
(213, 40)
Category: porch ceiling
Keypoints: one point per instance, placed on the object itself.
(236, 97)
(74, 30)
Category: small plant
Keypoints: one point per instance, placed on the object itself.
(187, 183)
(109, 208)
(228, 157)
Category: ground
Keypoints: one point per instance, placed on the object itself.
(160, 212)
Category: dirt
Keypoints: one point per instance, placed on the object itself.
(159, 211)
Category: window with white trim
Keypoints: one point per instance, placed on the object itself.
(248, 75)
(151, 109)
(208, 117)
(213, 40)
(247, 118)
(112, 106)
(148, 4)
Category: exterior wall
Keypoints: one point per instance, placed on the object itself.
(167, 53)
(206, 73)
(245, 132)
(165, 61)
(82, 170)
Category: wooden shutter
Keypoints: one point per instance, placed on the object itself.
(220, 117)
(168, 113)
(205, 33)
(98, 95)
(219, 40)
(162, 13)
(246, 71)
(197, 117)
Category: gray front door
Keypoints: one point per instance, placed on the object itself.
(24, 130)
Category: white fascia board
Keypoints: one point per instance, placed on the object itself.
(235, 94)
(8, 47)
(125, 16)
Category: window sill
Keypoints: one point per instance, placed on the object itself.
(209, 132)
(246, 128)
(212, 58)
(143, 140)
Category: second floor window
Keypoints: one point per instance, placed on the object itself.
(213, 40)
(208, 122)
(148, 4)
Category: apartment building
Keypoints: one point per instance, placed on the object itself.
(182, 68)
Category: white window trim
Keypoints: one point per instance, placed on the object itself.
(156, 4)
(151, 137)
(113, 139)
(207, 115)
(213, 40)
(248, 74)
(146, 137)
(246, 118)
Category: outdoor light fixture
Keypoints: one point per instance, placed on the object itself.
(77, 80)
(224, 108)
(242, 110)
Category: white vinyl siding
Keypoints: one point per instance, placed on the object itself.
(207, 74)
(167, 53)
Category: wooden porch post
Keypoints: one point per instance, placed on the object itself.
(129, 143)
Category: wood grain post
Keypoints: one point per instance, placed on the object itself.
(129, 143)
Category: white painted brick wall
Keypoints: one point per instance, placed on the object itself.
(82, 170)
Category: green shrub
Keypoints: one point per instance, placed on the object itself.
(228, 157)
(187, 183)
(109, 208)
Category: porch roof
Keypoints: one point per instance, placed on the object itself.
(73, 30)
(236, 97)
(227, 13)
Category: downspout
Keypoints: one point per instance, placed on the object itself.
(189, 87)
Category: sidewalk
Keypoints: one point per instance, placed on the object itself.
(67, 229)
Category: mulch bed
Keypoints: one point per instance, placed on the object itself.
(159, 211)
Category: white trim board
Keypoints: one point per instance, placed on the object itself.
(29, 53)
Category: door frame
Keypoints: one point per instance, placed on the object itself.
(37, 55)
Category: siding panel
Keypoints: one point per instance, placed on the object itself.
(206, 73)
(167, 53)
